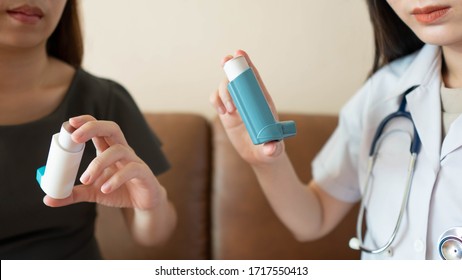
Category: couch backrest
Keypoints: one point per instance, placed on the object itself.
(222, 213)
(186, 142)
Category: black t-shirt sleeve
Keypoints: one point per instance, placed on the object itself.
(123, 110)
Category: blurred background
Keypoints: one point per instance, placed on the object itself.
(312, 55)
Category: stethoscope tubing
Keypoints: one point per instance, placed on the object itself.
(414, 150)
(450, 242)
(359, 224)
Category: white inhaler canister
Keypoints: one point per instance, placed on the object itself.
(57, 178)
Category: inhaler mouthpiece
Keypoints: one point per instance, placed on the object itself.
(65, 139)
(57, 178)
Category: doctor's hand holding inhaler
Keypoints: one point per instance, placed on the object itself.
(249, 116)
(397, 147)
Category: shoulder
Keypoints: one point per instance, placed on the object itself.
(388, 82)
(403, 73)
(99, 96)
(101, 85)
(383, 86)
(106, 99)
(391, 73)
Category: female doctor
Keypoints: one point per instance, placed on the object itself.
(397, 148)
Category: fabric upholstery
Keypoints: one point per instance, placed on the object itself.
(222, 213)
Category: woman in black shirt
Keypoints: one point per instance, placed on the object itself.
(42, 85)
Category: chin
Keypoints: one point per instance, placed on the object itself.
(440, 35)
(23, 42)
(443, 42)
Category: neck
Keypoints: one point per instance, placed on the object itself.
(452, 67)
(20, 65)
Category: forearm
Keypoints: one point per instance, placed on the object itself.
(297, 205)
(152, 226)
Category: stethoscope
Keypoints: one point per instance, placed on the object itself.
(450, 242)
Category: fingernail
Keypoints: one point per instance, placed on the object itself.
(74, 119)
(106, 188)
(85, 177)
(229, 106)
(221, 110)
(77, 135)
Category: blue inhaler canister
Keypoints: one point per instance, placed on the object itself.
(252, 105)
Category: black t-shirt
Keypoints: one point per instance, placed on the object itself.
(28, 228)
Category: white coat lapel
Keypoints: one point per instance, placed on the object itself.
(424, 104)
(453, 139)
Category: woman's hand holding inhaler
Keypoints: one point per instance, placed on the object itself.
(117, 177)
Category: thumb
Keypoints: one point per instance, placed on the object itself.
(273, 149)
(80, 193)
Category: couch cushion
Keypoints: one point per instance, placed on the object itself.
(244, 225)
(186, 142)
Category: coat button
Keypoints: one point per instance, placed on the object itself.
(418, 245)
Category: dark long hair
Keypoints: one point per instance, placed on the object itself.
(66, 43)
(392, 37)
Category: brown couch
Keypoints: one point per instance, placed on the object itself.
(222, 213)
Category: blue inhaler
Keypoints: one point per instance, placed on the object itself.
(252, 105)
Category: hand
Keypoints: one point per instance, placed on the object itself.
(222, 102)
(117, 177)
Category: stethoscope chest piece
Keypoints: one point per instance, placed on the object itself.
(450, 244)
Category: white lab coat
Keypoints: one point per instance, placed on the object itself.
(435, 202)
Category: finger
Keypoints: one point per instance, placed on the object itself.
(79, 193)
(51, 202)
(273, 148)
(77, 122)
(226, 97)
(255, 70)
(112, 155)
(103, 177)
(249, 61)
(268, 97)
(128, 172)
(107, 130)
(228, 104)
(244, 54)
(225, 59)
(216, 102)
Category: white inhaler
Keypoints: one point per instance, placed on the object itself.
(57, 178)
